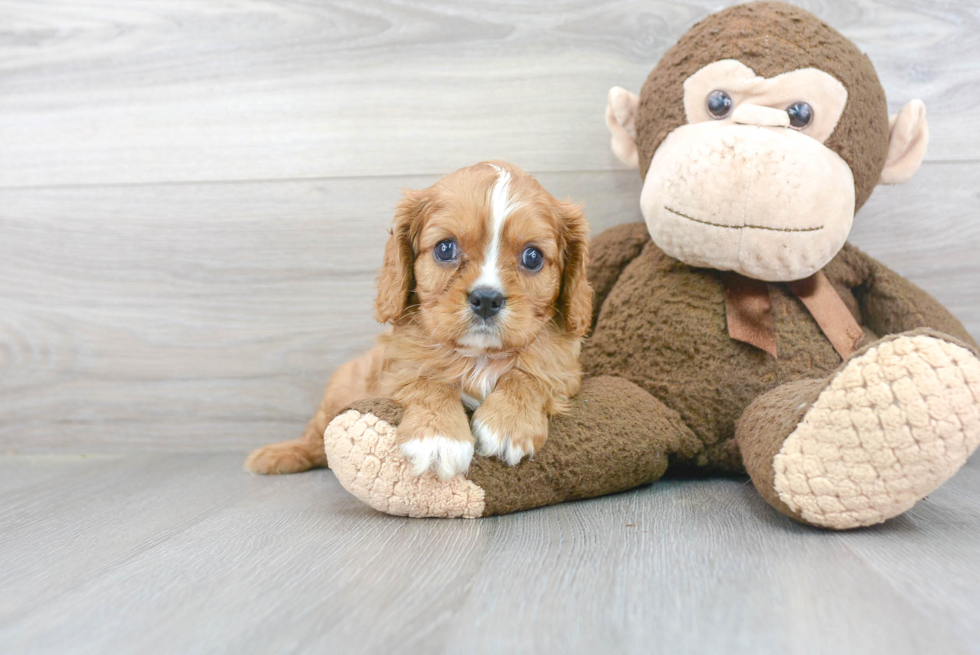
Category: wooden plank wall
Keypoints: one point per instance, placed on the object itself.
(194, 196)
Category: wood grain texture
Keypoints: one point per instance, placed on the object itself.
(194, 196)
(209, 316)
(116, 92)
(186, 554)
(193, 200)
(195, 316)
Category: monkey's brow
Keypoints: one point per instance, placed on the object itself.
(739, 227)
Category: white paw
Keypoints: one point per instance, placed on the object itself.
(493, 444)
(447, 457)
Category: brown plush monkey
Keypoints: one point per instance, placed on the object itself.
(736, 330)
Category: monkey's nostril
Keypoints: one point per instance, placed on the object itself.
(486, 303)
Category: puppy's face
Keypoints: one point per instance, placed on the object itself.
(486, 258)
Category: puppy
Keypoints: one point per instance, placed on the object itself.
(484, 286)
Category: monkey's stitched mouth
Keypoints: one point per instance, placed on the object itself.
(739, 227)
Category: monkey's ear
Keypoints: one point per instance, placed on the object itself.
(621, 121)
(907, 141)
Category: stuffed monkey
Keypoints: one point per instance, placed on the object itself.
(736, 330)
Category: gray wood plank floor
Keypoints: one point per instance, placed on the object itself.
(193, 200)
(184, 553)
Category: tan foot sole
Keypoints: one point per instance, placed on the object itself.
(362, 453)
(894, 424)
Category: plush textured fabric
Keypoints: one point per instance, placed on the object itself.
(773, 38)
(909, 136)
(360, 446)
(771, 204)
(616, 437)
(607, 264)
(748, 310)
(764, 426)
(829, 311)
(831, 442)
(663, 326)
(821, 90)
(682, 386)
(890, 427)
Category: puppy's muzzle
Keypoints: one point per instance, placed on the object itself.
(486, 303)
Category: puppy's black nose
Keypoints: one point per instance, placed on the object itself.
(486, 303)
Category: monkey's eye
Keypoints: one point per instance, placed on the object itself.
(719, 104)
(532, 259)
(445, 251)
(800, 115)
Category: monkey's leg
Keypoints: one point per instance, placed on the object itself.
(354, 380)
(897, 420)
(615, 437)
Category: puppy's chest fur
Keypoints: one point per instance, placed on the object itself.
(403, 357)
(478, 377)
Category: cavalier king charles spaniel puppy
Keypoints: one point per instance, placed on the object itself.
(484, 286)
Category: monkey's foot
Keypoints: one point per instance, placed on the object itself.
(891, 426)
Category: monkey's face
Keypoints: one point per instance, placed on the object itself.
(747, 184)
(759, 135)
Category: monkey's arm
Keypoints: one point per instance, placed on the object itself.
(614, 437)
(890, 304)
(609, 253)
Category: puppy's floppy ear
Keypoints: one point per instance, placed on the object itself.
(396, 279)
(575, 297)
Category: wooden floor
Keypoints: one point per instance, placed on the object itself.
(193, 201)
(184, 553)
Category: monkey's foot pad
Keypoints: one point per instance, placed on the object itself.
(891, 426)
(361, 451)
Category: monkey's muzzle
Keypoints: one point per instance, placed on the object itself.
(767, 202)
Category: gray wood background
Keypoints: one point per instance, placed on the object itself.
(180, 553)
(194, 195)
(193, 202)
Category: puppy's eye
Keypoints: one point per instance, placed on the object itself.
(719, 104)
(800, 115)
(445, 251)
(532, 259)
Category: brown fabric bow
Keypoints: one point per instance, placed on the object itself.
(748, 309)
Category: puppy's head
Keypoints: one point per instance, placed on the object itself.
(484, 259)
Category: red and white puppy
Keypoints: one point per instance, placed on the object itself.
(484, 284)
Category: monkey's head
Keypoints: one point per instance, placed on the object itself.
(759, 135)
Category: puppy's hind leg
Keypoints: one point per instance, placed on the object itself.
(354, 380)
(293, 456)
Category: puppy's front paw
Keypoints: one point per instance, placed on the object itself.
(447, 457)
(440, 441)
(504, 430)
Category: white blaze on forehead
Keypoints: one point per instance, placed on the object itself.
(501, 206)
